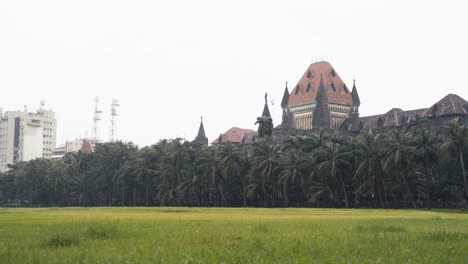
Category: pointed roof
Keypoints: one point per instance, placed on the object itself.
(266, 110)
(451, 104)
(355, 95)
(284, 101)
(86, 148)
(321, 114)
(312, 76)
(201, 136)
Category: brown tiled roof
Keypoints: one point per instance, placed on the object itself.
(235, 135)
(337, 91)
(451, 104)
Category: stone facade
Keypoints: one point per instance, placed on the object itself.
(319, 100)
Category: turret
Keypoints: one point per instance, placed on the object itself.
(321, 114)
(284, 101)
(266, 110)
(356, 101)
(201, 136)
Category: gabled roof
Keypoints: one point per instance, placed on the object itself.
(235, 135)
(451, 104)
(311, 78)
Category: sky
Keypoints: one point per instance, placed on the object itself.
(171, 62)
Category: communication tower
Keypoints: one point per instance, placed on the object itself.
(96, 119)
(113, 115)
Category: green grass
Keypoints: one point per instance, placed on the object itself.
(211, 235)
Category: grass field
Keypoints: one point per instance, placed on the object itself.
(209, 235)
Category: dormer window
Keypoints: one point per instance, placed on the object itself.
(344, 90)
(309, 88)
(298, 90)
(332, 87)
(309, 74)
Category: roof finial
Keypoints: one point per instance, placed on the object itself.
(354, 81)
(286, 84)
(201, 118)
(266, 98)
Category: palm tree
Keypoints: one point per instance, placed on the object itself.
(230, 161)
(369, 166)
(57, 176)
(265, 126)
(416, 124)
(210, 164)
(266, 157)
(291, 164)
(145, 169)
(333, 162)
(396, 153)
(456, 140)
(425, 154)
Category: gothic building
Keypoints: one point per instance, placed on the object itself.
(319, 100)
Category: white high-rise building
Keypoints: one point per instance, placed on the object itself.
(25, 136)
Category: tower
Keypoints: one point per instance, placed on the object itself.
(96, 119)
(113, 115)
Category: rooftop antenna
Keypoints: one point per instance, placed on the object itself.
(113, 115)
(96, 119)
(41, 106)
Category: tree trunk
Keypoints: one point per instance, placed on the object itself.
(344, 192)
(408, 192)
(285, 189)
(462, 165)
(429, 188)
(245, 194)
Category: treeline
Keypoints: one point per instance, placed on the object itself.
(386, 169)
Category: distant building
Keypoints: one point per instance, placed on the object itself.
(25, 136)
(432, 118)
(236, 136)
(84, 145)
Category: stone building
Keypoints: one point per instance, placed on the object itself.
(319, 100)
(433, 118)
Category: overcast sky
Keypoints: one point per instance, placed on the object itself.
(170, 62)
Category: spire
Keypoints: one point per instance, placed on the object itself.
(266, 110)
(321, 114)
(284, 102)
(201, 137)
(355, 95)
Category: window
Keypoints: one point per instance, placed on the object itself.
(298, 90)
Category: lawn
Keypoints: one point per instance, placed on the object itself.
(218, 235)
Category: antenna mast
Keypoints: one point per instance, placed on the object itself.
(113, 115)
(96, 119)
